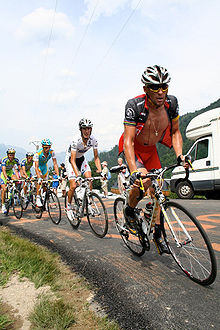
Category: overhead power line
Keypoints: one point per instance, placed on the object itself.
(47, 49)
(81, 41)
(114, 41)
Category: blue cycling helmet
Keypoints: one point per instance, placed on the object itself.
(46, 142)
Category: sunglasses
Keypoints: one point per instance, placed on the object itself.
(46, 147)
(155, 88)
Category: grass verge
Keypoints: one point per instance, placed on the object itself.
(66, 307)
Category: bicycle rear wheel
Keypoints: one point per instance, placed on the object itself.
(17, 204)
(193, 252)
(97, 215)
(75, 221)
(133, 241)
(54, 209)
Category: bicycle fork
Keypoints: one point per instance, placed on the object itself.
(179, 244)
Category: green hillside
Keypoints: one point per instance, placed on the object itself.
(167, 156)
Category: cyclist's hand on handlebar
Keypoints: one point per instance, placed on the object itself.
(135, 178)
(78, 179)
(184, 161)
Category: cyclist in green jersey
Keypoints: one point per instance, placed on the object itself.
(9, 163)
(26, 165)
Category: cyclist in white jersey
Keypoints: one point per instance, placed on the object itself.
(75, 161)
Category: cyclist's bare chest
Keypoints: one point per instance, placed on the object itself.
(154, 128)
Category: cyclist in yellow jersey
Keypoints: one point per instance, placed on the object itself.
(9, 164)
(26, 165)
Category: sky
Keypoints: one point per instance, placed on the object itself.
(63, 60)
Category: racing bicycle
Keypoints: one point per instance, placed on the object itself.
(86, 202)
(186, 239)
(13, 198)
(50, 202)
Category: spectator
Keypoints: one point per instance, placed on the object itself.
(55, 184)
(104, 181)
(122, 176)
(63, 175)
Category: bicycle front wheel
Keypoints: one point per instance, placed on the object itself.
(38, 211)
(189, 244)
(73, 214)
(17, 204)
(133, 240)
(54, 209)
(97, 215)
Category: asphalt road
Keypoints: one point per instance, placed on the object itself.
(148, 292)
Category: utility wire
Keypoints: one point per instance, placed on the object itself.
(114, 41)
(48, 45)
(81, 41)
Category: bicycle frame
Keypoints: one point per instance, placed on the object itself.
(84, 185)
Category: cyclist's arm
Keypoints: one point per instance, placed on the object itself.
(55, 166)
(97, 160)
(129, 135)
(23, 172)
(37, 170)
(17, 171)
(73, 162)
(4, 172)
(177, 138)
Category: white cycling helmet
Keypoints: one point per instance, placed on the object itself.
(155, 75)
(85, 123)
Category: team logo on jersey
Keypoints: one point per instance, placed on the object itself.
(129, 113)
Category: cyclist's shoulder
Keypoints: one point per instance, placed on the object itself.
(136, 101)
(172, 101)
(4, 160)
(23, 161)
(92, 138)
(39, 152)
(173, 107)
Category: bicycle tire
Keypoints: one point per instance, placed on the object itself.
(97, 215)
(195, 258)
(75, 207)
(24, 204)
(54, 208)
(38, 211)
(17, 204)
(134, 241)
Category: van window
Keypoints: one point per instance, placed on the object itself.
(200, 150)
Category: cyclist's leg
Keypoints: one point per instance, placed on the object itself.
(3, 183)
(44, 176)
(86, 171)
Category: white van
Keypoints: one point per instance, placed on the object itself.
(205, 153)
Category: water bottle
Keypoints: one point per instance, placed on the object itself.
(79, 193)
(148, 210)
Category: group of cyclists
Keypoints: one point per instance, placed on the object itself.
(150, 118)
(76, 164)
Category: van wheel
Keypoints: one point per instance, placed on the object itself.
(184, 190)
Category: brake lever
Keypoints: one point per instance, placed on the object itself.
(141, 188)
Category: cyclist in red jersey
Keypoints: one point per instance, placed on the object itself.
(149, 118)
